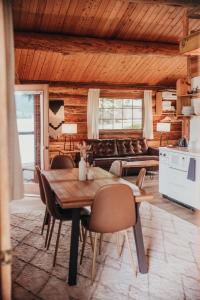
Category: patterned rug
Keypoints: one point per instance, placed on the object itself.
(172, 246)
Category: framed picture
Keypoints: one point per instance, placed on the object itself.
(56, 117)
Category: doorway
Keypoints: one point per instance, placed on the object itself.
(32, 122)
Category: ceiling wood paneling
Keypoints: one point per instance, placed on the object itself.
(119, 19)
(102, 19)
(40, 65)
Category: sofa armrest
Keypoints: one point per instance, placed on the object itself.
(153, 151)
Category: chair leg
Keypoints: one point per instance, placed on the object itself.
(57, 243)
(119, 249)
(44, 221)
(118, 243)
(94, 256)
(91, 240)
(130, 253)
(83, 245)
(100, 243)
(51, 232)
(81, 232)
(48, 228)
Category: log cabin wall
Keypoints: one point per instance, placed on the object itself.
(195, 66)
(75, 110)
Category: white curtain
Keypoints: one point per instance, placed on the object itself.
(148, 115)
(93, 113)
(11, 183)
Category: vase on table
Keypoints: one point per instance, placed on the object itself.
(82, 168)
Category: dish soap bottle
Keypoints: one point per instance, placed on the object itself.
(82, 170)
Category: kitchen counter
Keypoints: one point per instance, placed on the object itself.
(183, 150)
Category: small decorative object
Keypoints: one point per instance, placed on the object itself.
(90, 174)
(83, 147)
(187, 110)
(82, 170)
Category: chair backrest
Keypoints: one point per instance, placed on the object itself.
(50, 198)
(116, 168)
(113, 209)
(62, 162)
(140, 178)
(42, 194)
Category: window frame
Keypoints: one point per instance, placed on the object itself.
(124, 129)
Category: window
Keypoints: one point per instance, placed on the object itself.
(120, 113)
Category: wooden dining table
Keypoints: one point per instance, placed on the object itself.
(74, 194)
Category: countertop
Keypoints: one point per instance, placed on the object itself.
(182, 150)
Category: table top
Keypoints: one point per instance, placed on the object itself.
(72, 193)
(140, 164)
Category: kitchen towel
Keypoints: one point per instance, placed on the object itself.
(192, 170)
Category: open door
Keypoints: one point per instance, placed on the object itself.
(32, 120)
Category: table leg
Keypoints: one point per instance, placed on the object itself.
(137, 229)
(74, 247)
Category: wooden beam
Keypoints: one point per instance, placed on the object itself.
(185, 23)
(70, 44)
(66, 95)
(179, 3)
(101, 85)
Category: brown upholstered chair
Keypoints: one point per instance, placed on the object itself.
(116, 168)
(42, 196)
(56, 213)
(139, 183)
(140, 178)
(62, 162)
(113, 210)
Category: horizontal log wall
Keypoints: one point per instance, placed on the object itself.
(76, 112)
(195, 66)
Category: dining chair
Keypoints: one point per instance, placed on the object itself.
(113, 210)
(62, 162)
(46, 220)
(140, 178)
(56, 213)
(116, 168)
(139, 182)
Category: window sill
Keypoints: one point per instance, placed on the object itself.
(120, 130)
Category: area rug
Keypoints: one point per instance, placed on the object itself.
(172, 246)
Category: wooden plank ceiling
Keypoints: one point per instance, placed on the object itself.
(113, 19)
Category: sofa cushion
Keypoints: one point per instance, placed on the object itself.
(124, 147)
(103, 148)
(127, 147)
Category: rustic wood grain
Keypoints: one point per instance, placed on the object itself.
(66, 45)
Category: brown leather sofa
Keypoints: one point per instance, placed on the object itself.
(104, 152)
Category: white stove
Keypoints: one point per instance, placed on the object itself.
(173, 176)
